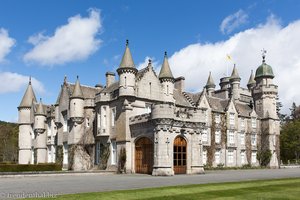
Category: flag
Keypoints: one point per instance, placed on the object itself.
(228, 57)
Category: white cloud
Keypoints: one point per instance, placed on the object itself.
(233, 21)
(283, 46)
(6, 43)
(13, 82)
(71, 42)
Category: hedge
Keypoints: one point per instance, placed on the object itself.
(29, 167)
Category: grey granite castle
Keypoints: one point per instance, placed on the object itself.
(150, 121)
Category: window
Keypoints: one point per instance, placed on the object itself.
(242, 123)
(65, 125)
(204, 157)
(49, 132)
(65, 153)
(218, 136)
(253, 122)
(231, 137)
(204, 136)
(148, 108)
(253, 157)
(206, 115)
(242, 138)
(243, 157)
(87, 122)
(113, 152)
(217, 118)
(231, 118)
(104, 120)
(99, 118)
(97, 159)
(49, 154)
(253, 140)
(113, 116)
(230, 156)
(217, 157)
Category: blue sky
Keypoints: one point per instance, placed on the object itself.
(50, 39)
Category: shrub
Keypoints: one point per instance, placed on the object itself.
(29, 167)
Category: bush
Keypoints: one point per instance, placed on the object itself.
(264, 157)
(30, 168)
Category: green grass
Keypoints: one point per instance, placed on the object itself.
(262, 189)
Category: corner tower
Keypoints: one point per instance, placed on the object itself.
(210, 85)
(25, 125)
(167, 80)
(235, 80)
(127, 72)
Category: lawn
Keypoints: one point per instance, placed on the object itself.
(262, 189)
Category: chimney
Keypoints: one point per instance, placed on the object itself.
(179, 83)
(110, 78)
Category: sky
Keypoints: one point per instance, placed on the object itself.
(47, 40)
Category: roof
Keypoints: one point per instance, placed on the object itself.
(28, 97)
(114, 86)
(87, 91)
(235, 74)
(77, 92)
(218, 105)
(264, 70)
(251, 80)
(180, 99)
(40, 109)
(127, 61)
(165, 71)
(210, 82)
(243, 109)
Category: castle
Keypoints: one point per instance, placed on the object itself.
(148, 123)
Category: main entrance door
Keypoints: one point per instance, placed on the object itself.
(179, 155)
(144, 156)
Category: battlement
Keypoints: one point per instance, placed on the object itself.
(139, 119)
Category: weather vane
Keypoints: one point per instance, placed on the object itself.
(263, 53)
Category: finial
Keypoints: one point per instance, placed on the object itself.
(263, 53)
(65, 79)
(234, 65)
(251, 71)
(165, 53)
(127, 42)
(149, 61)
(77, 77)
(29, 80)
(40, 99)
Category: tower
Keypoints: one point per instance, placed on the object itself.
(210, 85)
(25, 129)
(39, 129)
(235, 83)
(77, 104)
(264, 95)
(127, 72)
(167, 80)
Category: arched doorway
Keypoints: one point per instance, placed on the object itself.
(143, 156)
(179, 155)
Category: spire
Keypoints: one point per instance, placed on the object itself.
(77, 92)
(235, 74)
(165, 71)
(28, 97)
(210, 82)
(40, 109)
(251, 81)
(127, 61)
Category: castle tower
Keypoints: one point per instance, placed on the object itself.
(264, 95)
(127, 72)
(251, 83)
(167, 80)
(235, 83)
(39, 129)
(25, 129)
(77, 104)
(210, 85)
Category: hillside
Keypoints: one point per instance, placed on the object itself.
(8, 142)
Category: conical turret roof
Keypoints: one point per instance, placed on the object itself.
(165, 71)
(40, 109)
(251, 79)
(127, 61)
(210, 81)
(235, 74)
(28, 97)
(77, 92)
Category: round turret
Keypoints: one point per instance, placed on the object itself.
(39, 119)
(77, 104)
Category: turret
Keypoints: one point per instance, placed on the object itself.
(25, 128)
(39, 129)
(127, 72)
(77, 103)
(167, 80)
(235, 83)
(210, 85)
(251, 83)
